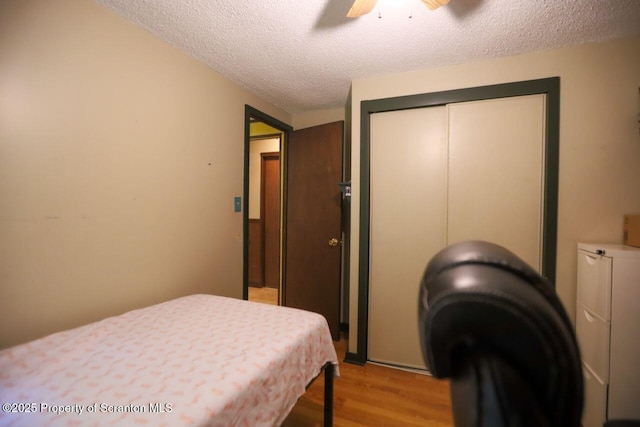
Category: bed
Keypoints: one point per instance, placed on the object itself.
(200, 360)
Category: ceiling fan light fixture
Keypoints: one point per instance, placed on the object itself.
(362, 7)
(434, 4)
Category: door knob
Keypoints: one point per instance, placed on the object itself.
(333, 242)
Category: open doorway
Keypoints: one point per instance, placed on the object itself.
(265, 138)
(264, 213)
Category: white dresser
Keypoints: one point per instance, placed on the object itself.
(608, 330)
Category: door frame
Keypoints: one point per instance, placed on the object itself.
(250, 112)
(547, 86)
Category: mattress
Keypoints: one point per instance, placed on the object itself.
(198, 360)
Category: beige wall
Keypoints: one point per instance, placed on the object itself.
(317, 117)
(599, 141)
(119, 160)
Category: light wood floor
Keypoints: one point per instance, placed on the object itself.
(370, 395)
(374, 395)
(265, 295)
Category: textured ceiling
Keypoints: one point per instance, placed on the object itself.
(302, 55)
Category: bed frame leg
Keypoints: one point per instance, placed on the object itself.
(329, 372)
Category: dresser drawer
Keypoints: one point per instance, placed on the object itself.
(593, 337)
(594, 283)
(595, 400)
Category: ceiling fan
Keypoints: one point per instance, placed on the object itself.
(362, 7)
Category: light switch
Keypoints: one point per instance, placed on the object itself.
(237, 204)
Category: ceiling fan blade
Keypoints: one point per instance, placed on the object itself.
(361, 7)
(434, 4)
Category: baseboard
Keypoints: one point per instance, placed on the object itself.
(354, 359)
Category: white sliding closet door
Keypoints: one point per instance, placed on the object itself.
(439, 175)
(496, 174)
(408, 200)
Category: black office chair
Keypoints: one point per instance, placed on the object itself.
(497, 329)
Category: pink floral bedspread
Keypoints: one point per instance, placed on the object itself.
(200, 360)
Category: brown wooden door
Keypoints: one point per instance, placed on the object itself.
(270, 195)
(256, 253)
(312, 267)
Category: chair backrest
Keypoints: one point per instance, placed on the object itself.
(496, 328)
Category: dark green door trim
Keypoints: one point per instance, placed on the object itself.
(549, 86)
